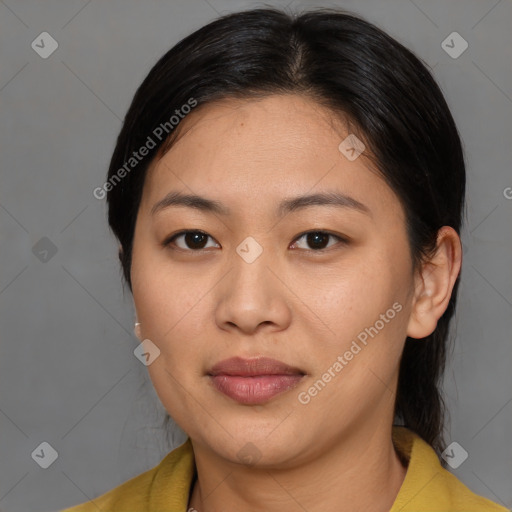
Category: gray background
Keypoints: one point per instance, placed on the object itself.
(68, 375)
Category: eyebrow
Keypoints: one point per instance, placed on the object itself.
(286, 206)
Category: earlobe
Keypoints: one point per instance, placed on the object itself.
(434, 284)
(137, 331)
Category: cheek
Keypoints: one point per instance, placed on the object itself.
(166, 313)
(165, 296)
(365, 307)
(353, 297)
(171, 317)
(355, 368)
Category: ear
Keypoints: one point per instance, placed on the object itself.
(434, 284)
(137, 330)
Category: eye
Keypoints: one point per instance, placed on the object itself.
(196, 241)
(319, 240)
(193, 240)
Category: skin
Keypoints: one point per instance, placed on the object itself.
(294, 303)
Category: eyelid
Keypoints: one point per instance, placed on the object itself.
(168, 240)
(342, 239)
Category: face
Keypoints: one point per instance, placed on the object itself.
(242, 278)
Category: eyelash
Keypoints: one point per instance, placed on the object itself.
(169, 240)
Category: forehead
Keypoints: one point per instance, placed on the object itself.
(267, 147)
(277, 121)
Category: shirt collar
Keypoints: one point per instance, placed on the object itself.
(178, 467)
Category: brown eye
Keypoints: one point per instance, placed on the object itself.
(197, 240)
(318, 240)
(190, 240)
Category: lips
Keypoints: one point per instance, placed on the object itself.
(253, 381)
(237, 366)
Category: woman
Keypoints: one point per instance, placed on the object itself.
(287, 192)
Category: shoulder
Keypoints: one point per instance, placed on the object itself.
(169, 482)
(134, 491)
(463, 499)
(429, 487)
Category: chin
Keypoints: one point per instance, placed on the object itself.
(264, 444)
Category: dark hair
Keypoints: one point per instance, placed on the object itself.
(362, 75)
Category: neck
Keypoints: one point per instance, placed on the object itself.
(360, 472)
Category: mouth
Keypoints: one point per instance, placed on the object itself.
(253, 381)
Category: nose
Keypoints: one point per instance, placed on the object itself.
(253, 295)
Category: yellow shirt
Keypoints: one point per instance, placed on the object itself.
(427, 486)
